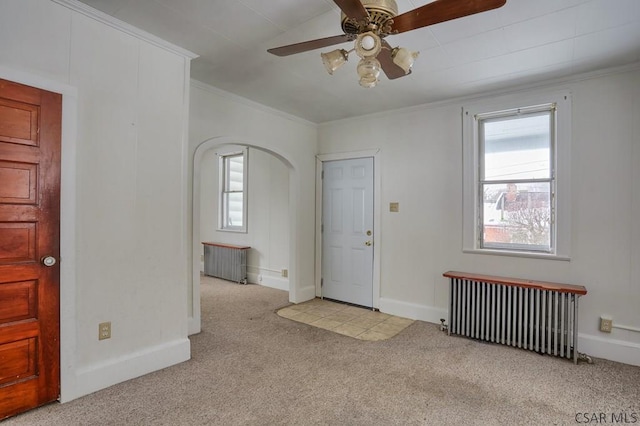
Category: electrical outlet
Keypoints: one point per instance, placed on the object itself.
(104, 330)
(394, 207)
(606, 324)
(285, 273)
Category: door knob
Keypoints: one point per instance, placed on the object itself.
(368, 243)
(48, 261)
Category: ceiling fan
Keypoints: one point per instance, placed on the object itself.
(368, 22)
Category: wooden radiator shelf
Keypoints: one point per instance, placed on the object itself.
(518, 282)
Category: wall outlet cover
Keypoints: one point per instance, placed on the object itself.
(104, 330)
(606, 324)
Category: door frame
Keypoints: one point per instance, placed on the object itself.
(68, 342)
(377, 182)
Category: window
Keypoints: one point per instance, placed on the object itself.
(233, 183)
(516, 183)
(514, 200)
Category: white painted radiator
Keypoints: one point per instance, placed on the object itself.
(226, 261)
(534, 315)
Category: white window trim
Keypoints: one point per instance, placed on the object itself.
(562, 166)
(245, 189)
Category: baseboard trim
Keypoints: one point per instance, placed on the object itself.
(103, 375)
(269, 281)
(412, 310)
(303, 294)
(595, 346)
(611, 349)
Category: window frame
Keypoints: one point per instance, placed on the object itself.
(560, 105)
(223, 211)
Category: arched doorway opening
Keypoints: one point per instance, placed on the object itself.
(200, 153)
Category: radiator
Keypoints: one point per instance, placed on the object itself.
(534, 315)
(226, 261)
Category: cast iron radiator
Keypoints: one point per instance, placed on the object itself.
(226, 261)
(534, 315)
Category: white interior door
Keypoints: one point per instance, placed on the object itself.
(347, 231)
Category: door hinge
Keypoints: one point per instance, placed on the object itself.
(322, 228)
(321, 282)
(322, 175)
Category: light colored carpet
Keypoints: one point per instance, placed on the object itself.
(252, 367)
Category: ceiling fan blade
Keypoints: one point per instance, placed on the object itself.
(353, 9)
(391, 70)
(310, 45)
(441, 11)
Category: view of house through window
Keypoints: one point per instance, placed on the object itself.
(232, 193)
(516, 179)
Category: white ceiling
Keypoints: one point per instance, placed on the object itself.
(523, 42)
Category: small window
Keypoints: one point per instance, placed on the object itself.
(516, 176)
(233, 194)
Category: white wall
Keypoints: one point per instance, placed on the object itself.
(124, 183)
(421, 157)
(268, 214)
(218, 118)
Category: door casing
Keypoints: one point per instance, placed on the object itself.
(69, 388)
(320, 158)
(31, 207)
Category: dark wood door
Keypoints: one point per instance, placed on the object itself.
(30, 134)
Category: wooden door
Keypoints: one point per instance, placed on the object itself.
(30, 134)
(347, 236)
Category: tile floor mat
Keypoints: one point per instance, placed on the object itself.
(352, 321)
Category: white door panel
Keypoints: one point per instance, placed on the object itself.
(347, 238)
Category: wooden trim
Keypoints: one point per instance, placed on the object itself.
(518, 282)
(232, 246)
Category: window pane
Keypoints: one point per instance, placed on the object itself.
(233, 203)
(517, 216)
(517, 147)
(235, 169)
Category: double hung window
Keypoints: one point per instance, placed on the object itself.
(233, 194)
(516, 184)
(516, 176)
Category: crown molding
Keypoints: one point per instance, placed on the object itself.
(552, 83)
(252, 104)
(109, 20)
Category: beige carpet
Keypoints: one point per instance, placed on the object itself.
(252, 367)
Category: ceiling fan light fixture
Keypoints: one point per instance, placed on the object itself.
(368, 44)
(334, 59)
(404, 58)
(368, 71)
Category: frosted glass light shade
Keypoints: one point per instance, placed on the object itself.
(368, 70)
(334, 59)
(404, 58)
(368, 42)
(368, 45)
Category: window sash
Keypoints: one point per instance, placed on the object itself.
(526, 223)
(233, 176)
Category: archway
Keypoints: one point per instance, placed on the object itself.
(214, 143)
